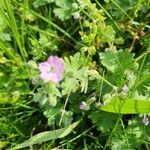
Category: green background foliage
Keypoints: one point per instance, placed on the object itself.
(104, 45)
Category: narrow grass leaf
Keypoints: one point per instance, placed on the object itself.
(47, 135)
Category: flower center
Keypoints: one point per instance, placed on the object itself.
(52, 69)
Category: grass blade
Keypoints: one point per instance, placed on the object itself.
(46, 136)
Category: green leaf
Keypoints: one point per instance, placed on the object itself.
(75, 75)
(52, 114)
(127, 106)
(62, 14)
(64, 10)
(73, 86)
(104, 121)
(120, 8)
(3, 60)
(53, 100)
(106, 34)
(118, 143)
(67, 118)
(46, 136)
(38, 3)
(143, 81)
(117, 61)
(53, 93)
(142, 84)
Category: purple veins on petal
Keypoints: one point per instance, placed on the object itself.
(52, 69)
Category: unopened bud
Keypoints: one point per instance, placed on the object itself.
(76, 15)
(146, 120)
(125, 89)
(84, 106)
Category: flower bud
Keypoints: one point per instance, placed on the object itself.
(84, 106)
(32, 64)
(146, 120)
(76, 15)
(125, 89)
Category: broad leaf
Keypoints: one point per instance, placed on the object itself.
(103, 120)
(64, 10)
(127, 106)
(117, 61)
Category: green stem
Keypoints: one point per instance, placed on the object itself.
(75, 138)
(109, 16)
(100, 91)
(14, 28)
(63, 111)
(138, 76)
(121, 9)
(103, 79)
(126, 137)
(114, 129)
(142, 55)
(137, 7)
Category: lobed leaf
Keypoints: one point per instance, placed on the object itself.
(117, 61)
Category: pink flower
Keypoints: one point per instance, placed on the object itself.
(52, 69)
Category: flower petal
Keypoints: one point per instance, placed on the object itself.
(55, 74)
(44, 67)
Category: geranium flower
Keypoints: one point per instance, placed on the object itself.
(52, 69)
